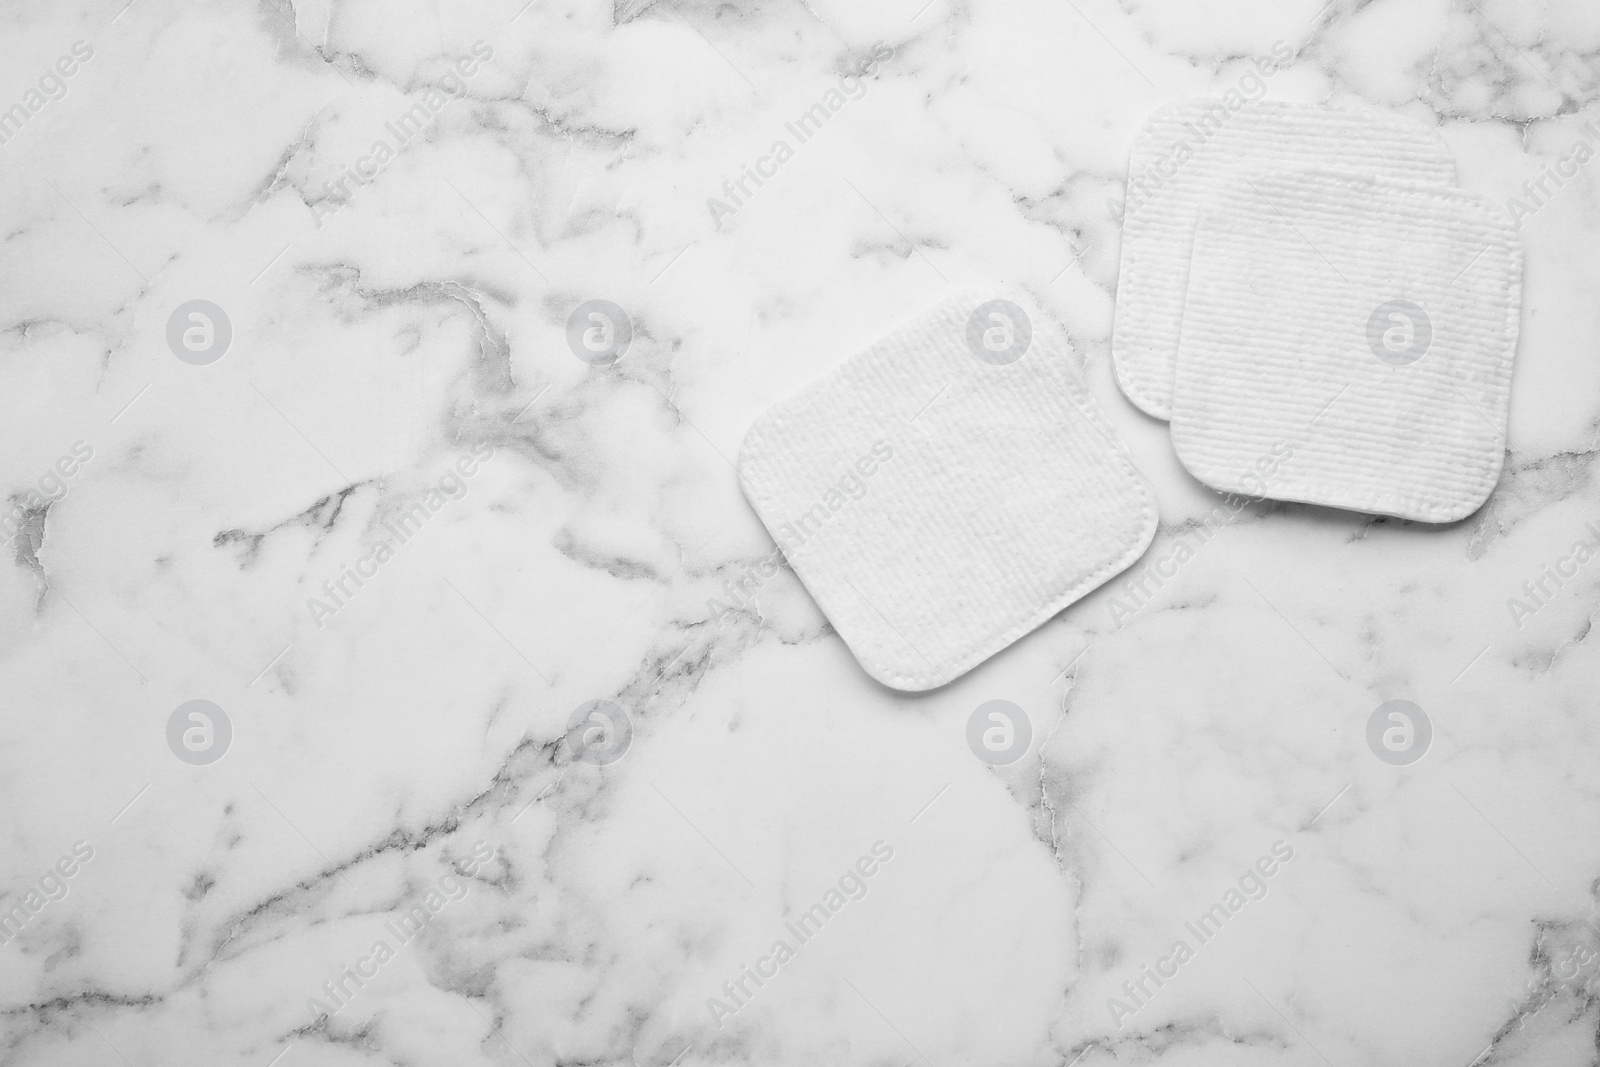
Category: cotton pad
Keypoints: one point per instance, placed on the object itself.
(1183, 152)
(948, 489)
(1367, 327)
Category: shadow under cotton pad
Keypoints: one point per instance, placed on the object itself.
(947, 490)
(1368, 326)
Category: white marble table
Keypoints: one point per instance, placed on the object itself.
(390, 720)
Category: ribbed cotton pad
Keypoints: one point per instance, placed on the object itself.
(1181, 154)
(948, 489)
(1370, 326)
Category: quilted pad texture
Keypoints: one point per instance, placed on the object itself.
(947, 490)
(1367, 325)
(1182, 154)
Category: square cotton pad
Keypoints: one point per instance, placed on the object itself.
(948, 489)
(1367, 327)
(1181, 154)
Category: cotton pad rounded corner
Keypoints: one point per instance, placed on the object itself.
(947, 490)
(1253, 483)
(1368, 325)
(1136, 390)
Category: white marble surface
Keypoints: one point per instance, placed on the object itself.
(411, 744)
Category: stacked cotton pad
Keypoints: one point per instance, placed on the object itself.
(1303, 291)
(947, 490)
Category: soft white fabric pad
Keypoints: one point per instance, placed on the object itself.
(1368, 325)
(939, 501)
(1183, 152)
